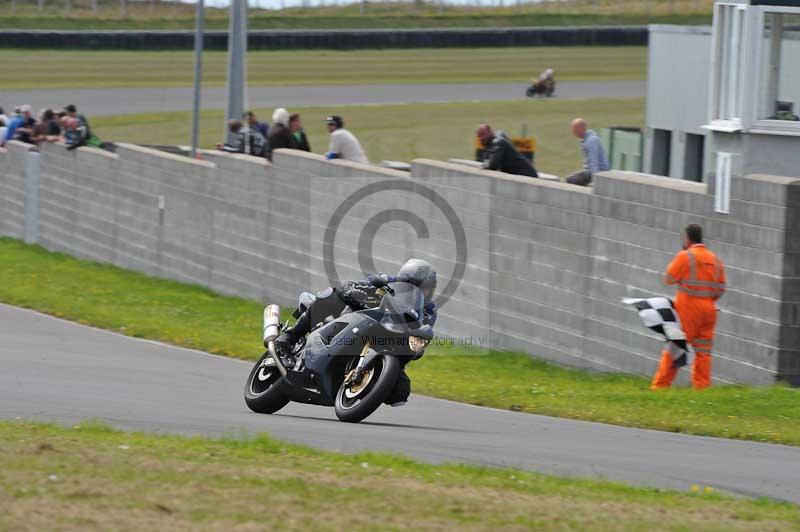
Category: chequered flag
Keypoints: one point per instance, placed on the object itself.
(659, 315)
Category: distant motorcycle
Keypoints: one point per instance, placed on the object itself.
(350, 362)
(542, 88)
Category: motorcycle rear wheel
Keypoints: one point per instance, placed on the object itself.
(264, 389)
(353, 408)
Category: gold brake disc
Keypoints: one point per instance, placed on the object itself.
(354, 389)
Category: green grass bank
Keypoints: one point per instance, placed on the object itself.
(91, 477)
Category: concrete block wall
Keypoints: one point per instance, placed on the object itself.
(547, 265)
(12, 189)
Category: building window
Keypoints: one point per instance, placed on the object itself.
(780, 75)
(729, 46)
(662, 150)
(693, 157)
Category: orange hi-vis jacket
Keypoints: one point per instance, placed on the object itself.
(698, 273)
(700, 279)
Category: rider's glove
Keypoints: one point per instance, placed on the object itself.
(355, 296)
(331, 155)
(378, 281)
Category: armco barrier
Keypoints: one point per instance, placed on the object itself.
(330, 39)
(548, 262)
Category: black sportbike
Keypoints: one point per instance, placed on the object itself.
(351, 362)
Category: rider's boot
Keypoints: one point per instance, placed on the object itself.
(285, 342)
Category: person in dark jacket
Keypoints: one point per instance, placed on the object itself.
(77, 134)
(254, 124)
(501, 155)
(298, 134)
(279, 134)
(246, 140)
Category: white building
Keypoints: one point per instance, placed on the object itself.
(725, 100)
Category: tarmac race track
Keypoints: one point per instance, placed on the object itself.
(118, 101)
(60, 371)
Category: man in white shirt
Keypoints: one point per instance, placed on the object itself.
(343, 144)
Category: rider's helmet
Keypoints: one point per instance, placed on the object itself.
(419, 272)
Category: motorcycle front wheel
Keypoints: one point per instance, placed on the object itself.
(263, 391)
(356, 402)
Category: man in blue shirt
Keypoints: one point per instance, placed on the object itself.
(594, 155)
(19, 121)
(253, 123)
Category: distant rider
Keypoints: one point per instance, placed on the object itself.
(334, 300)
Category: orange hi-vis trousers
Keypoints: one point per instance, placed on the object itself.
(698, 319)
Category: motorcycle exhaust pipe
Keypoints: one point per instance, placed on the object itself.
(272, 323)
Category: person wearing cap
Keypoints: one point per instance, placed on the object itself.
(279, 134)
(17, 122)
(343, 144)
(72, 112)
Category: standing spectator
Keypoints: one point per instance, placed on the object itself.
(279, 134)
(501, 155)
(254, 124)
(18, 122)
(72, 112)
(343, 144)
(77, 134)
(247, 140)
(298, 134)
(47, 128)
(3, 123)
(594, 155)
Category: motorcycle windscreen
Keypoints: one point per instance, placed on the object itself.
(404, 310)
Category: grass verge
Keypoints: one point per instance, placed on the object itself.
(406, 132)
(92, 477)
(57, 69)
(145, 307)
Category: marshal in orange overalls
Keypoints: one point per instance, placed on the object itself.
(700, 279)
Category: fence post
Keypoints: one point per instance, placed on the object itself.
(122, 8)
(32, 171)
(40, 6)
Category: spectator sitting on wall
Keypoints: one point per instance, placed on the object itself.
(298, 134)
(76, 135)
(279, 134)
(343, 144)
(255, 125)
(246, 140)
(46, 128)
(594, 155)
(20, 120)
(500, 154)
